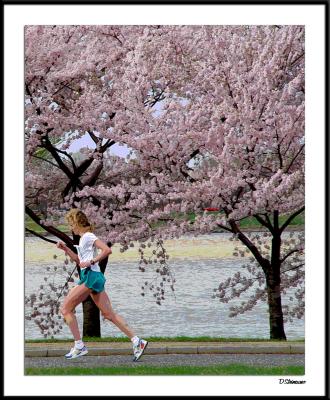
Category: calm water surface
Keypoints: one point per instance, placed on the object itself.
(191, 312)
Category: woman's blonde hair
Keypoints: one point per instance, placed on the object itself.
(77, 217)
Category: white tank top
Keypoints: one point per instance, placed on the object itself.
(86, 249)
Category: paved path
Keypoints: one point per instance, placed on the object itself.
(157, 347)
(169, 360)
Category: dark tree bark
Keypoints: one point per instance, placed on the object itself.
(272, 271)
(276, 323)
(91, 324)
(273, 281)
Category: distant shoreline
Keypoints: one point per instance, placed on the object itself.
(245, 229)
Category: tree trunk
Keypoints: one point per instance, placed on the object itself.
(273, 280)
(276, 323)
(91, 314)
(272, 271)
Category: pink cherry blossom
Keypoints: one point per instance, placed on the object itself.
(214, 118)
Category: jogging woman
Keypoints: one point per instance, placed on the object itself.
(91, 284)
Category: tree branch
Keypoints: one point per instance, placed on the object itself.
(93, 137)
(68, 155)
(294, 158)
(50, 229)
(279, 148)
(289, 254)
(264, 263)
(40, 236)
(287, 222)
(267, 224)
(298, 58)
(291, 269)
(43, 159)
(224, 227)
(53, 151)
(93, 178)
(82, 168)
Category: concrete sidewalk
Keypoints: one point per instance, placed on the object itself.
(157, 347)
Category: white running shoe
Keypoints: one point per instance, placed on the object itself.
(74, 352)
(139, 348)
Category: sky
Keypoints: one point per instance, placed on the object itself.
(86, 141)
(116, 149)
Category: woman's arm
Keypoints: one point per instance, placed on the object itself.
(106, 250)
(73, 256)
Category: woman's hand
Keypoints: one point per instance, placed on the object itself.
(61, 245)
(73, 256)
(85, 264)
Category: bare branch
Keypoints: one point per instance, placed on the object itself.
(287, 222)
(264, 263)
(267, 223)
(49, 229)
(289, 254)
(291, 269)
(225, 228)
(44, 159)
(40, 236)
(294, 158)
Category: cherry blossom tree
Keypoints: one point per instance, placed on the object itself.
(214, 118)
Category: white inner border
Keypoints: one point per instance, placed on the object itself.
(16, 16)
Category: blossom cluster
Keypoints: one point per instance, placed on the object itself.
(213, 116)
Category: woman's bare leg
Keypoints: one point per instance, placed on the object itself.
(103, 303)
(75, 296)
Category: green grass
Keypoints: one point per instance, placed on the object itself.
(160, 339)
(30, 224)
(251, 222)
(234, 369)
(247, 223)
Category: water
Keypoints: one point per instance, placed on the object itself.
(191, 312)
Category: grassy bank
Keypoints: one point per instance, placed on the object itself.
(234, 369)
(251, 222)
(161, 339)
(248, 223)
(31, 225)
